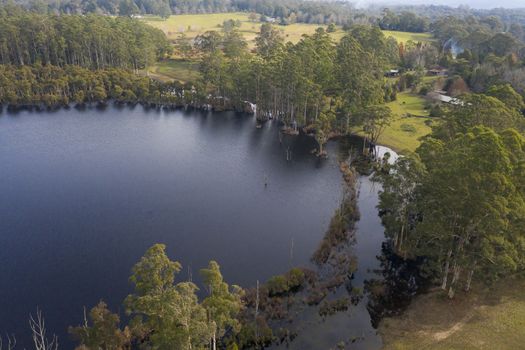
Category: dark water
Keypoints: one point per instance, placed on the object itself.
(84, 194)
(353, 327)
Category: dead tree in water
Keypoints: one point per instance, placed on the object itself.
(38, 327)
(11, 343)
(256, 314)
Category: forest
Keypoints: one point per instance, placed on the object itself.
(456, 205)
(402, 17)
(86, 41)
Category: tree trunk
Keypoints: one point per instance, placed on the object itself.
(457, 271)
(445, 271)
(469, 278)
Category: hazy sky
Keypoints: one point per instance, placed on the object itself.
(472, 3)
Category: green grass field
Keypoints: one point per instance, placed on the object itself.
(193, 25)
(487, 318)
(408, 125)
(403, 37)
(175, 69)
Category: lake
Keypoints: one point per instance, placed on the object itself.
(83, 194)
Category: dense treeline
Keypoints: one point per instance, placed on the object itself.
(459, 202)
(88, 41)
(477, 54)
(288, 10)
(405, 21)
(434, 12)
(409, 18)
(316, 83)
(52, 86)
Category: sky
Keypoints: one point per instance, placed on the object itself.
(483, 4)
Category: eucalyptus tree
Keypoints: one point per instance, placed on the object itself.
(101, 330)
(222, 304)
(460, 205)
(357, 75)
(268, 40)
(506, 94)
(165, 315)
(374, 120)
(476, 109)
(471, 206)
(89, 41)
(399, 201)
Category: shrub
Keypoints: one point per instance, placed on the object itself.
(277, 285)
(408, 128)
(295, 278)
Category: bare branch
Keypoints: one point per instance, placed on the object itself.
(38, 327)
(11, 342)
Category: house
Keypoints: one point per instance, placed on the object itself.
(438, 72)
(436, 96)
(268, 19)
(392, 73)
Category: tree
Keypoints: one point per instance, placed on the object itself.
(168, 316)
(222, 304)
(356, 72)
(128, 8)
(39, 333)
(234, 44)
(268, 40)
(506, 94)
(398, 202)
(462, 208)
(183, 45)
(323, 128)
(208, 42)
(374, 120)
(476, 110)
(469, 205)
(457, 87)
(102, 330)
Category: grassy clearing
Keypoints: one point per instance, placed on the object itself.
(408, 126)
(175, 69)
(193, 25)
(403, 37)
(491, 318)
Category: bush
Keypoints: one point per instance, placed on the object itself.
(408, 128)
(295, 278)
(277, 285)
(436, 111)
(424, 90)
